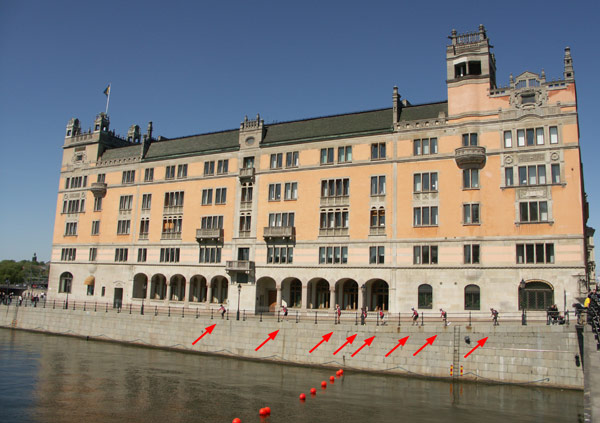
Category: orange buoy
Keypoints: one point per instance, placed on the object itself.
(236, 420)
(302, 397)
(313, 391)
(341, 371)
(268, 411)
(262, 412)
(323, 384)
(331, 379)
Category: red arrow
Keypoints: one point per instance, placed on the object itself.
(272, 335)
(349, 340)
(480, 343)
(368, 342)
(208, 330)
(325, 339)
(429, 342)
(400, 342)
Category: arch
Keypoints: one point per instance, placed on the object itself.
(65, 282)
(266, 295)
(318, 294)
(219, 290)
(425, 296)
(198, 289)
(177, 288)
(472, 297)
(347, 294)
(378, 292)
(140, 286)
(158, 287)
(291, 292)
(536, 295)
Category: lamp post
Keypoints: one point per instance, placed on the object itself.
(522, 285)
(239, 293)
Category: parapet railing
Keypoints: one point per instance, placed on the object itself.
(327, 316)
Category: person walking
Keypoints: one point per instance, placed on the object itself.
(284, 310)
(444, 316)
(222, 309)
(415, 317)
(338, 313)
(494, 316)
(363, 316)
(381, 316)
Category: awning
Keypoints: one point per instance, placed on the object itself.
(89, 280)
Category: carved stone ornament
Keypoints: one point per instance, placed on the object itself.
(508, 160)
(555, 156)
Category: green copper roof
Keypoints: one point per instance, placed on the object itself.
(195, 144)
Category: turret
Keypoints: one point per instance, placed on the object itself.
(73, 128)
(102, 123)
(134, 134)
(468, 58)
(568, 74)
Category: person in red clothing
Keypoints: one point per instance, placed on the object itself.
(222, 309)
(381, 316)
(415, 317)
(338, 312)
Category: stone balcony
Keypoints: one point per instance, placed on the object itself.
(340, 200)
(279, 232)
(247, 173)
(239, 266)
(470, 157)
(209, 235)
(98, 189)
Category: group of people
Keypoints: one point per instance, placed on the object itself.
(7, 298)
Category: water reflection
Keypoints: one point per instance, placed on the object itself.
(58, 379)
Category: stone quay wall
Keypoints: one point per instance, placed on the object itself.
(535, 355)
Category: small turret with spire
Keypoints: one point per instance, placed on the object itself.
(568, 74)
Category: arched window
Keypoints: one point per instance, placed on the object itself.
(65, 282)
(425, 296)
(536, 295)
(472, 297)
(295, 293)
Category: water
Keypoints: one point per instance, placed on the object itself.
(46, 378)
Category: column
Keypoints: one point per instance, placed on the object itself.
(304, 303)
(278, 296)
(210, 293)
(332, 299)
(360, 303)
(313, 295)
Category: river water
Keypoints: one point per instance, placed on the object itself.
(45, 378)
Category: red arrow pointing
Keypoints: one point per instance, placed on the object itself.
(325, 339)
(272, 335)
(368, 342)
(429, 342)
(208, 330)
(480, 343)
(349, 340)
(400, 342)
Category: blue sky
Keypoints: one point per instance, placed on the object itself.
(194, 67)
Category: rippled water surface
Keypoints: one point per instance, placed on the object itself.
(46, 378)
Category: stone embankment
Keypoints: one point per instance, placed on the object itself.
(535, 354)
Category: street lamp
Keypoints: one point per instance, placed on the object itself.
(522, 285)
(239, 293)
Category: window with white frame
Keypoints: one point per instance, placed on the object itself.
(507, 139)
(555, 173)
(97, 204)
(425, 216)
(508, 177)
(292, 159)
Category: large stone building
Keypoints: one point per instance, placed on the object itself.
(466, 204)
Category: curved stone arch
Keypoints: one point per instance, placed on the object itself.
(425, 296)
(536, 294)
(198, 290)
(347, 294)
(158, 286)
(219, 289)
(291, 292)
(177, 284)
(378, 294)
(266, 295)
(139, 286)
(318, 293)
(65, 282)
(472, 294)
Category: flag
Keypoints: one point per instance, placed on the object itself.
(107, 91)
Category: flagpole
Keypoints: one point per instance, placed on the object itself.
(108, 98)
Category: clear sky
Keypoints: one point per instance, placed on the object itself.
(198, 66)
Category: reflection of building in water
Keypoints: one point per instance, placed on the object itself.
(466, 204)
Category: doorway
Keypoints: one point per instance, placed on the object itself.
(118, 298)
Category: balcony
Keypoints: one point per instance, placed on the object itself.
(333, 232)
(279, 232)
(209, 235)
(170, 235)
(239, 266)
(173, 210)
(340, 200)
(377, 230)
(471, 157)
(245, 205)
(247, 174)
(98, 189)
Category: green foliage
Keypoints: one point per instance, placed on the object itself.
(22, 271)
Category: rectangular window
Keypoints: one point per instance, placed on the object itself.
(68, 254)
(291, 191)
(207, 196)
(281, 255)
(377, 185)
(71, 229)
(247, 194)
(345, 154)
(170, 172)
(210, 255)
(425, 254)
(274, 192)
(174, 199)
(471, 254)
(335, 187)
(555, 173)
(146, 201)
(281, 219)
(471, 179)
(220, 195)
(97, 204)
(471, 214)
(326, 156)
(529, 136)
(535, 253)
(169, 255)
(125, 202)
(144, 227)
(142, 254)
(121, 254)
(533, 211)
(333, 218)
(222, 167)
(553, 135)
(521, 138)
(149, 174)
(425, 182)
(276, 161)
(333, 255)
(93, 253)
(508, 177)
(95, 227)
(123, 227)
(425, 216)
(378, 151)
(212, 222)
(507, 139)
(469, 139)
(292, 159)
(128, 177)
(245, 223)
(171, 228)
(182, 171)
(101, 177)
(377, 255)
(539, 136)
(377, 219)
